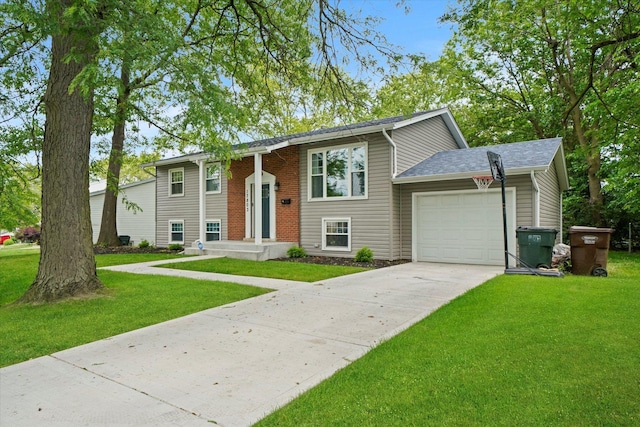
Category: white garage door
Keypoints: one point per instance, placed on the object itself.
(462, 226)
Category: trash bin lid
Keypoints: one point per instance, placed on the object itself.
(583, 229)
(532, 228)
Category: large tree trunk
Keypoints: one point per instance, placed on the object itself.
(108, 225)
(592, 157)
(67, 265)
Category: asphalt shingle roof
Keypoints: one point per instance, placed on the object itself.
(527, 154)
(278, 139)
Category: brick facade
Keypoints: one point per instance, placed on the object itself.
(284, 165)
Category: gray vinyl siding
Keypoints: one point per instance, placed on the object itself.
(550, 200)
(524, 212)
(396, 217)
(177, 208)
(420, 141)
(370, 218)
(216, 206)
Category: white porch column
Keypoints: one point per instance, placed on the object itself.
(257, 199)
(202, 174)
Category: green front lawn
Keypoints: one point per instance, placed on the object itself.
(131, 302)
(297, 271)
(518, 350)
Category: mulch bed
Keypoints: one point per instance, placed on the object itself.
(324, 260)
(327, 260)
(101, 250)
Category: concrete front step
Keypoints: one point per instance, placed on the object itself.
(242, 250)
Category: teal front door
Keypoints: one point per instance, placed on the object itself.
(266, 219)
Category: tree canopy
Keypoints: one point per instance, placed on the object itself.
(549, 68)
(182, 66)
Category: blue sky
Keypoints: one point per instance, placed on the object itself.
(416, 32)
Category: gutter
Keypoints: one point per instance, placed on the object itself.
(395, 153)
(462, 175)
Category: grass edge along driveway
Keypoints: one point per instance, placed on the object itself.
(131, 301)
(283, 270)
(517, 350)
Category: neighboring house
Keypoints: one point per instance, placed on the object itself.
(401, 186)
(139, 223)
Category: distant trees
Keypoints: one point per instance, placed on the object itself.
(566, 68)
(543, 68)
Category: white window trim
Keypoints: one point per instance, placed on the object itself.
(324, 235)
(170, 182)
(324, 150)
(176, 221)
(206, 232)
(206, 167)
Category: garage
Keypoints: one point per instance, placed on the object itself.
(462, 226)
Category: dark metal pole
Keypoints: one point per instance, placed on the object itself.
(504, 224)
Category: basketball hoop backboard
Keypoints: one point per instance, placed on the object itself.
(495, 163)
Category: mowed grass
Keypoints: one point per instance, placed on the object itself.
(297, 271)
(518, 350)
(130, 302)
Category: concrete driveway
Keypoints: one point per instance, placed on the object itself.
(229, 365)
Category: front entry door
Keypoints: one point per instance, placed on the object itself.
(266, 219)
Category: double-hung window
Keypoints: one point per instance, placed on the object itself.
(176, 182)
(176, 231)
(213, 178)
(336, 234)
(338, 172)
(213, 230)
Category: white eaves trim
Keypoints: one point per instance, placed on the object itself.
(466, 175)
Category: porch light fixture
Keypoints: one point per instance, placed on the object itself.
(276, 187)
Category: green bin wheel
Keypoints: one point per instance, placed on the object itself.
(599, 272)
(545, 266)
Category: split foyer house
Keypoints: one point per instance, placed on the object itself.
(401, 186)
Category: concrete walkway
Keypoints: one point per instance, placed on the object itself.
(229, 365)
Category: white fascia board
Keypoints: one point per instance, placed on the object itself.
(463, 175)
(339, 134)
(263, 149)
(175, 160)
(448, 120)
(420, 118)
(561, 168)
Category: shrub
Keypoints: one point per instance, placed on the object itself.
(143, 244)
(364, 255)
(8, 242)
(30, 235)
(296, 252)
(175, 247)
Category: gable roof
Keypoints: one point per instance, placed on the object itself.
(362, 128)
(372, 126)
(517, 158)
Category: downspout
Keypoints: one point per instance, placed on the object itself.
(536, 200)
(395, 151)
(202, 200)
(391, 193)
(561, 216)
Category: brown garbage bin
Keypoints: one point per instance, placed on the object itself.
(589, 250)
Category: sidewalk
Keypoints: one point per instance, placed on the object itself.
(229, 365)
